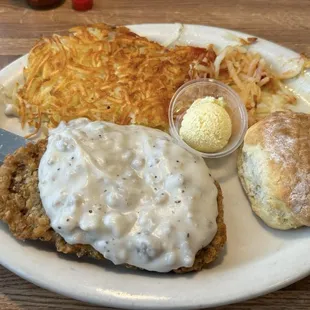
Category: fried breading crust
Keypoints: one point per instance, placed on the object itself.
(22, 210)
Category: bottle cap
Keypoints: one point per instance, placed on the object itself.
(82, 5)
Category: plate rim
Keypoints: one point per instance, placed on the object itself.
(119, 302)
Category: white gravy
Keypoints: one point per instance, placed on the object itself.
(130, 192)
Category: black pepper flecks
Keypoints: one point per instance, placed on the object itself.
(59, 227)
(177, 161)
(187, 235)
(178, 201)
(72, 157)
(90, 211)
(68, 220)
(183, 190)
(155, 177)
(58, 169)
(105, 190)
(108, 107)
(100, 136)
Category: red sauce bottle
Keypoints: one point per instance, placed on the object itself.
(82, 5)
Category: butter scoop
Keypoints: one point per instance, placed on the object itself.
(206, 125)
(207, 118)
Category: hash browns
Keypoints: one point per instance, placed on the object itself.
(21, 208)
(110, 73)
(103, 73)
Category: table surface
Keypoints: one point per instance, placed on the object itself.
(285, 22)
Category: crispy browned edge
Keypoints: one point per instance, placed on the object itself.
(21, 208)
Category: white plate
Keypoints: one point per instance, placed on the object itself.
(255, 261)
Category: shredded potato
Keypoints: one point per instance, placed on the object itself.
(109, 73)
(261, 90)
(102, 73)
